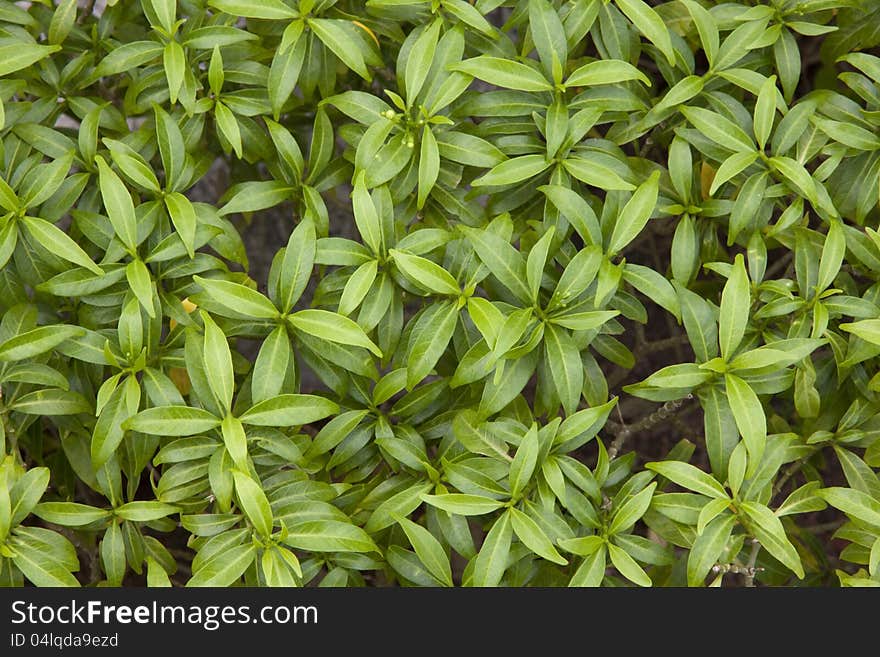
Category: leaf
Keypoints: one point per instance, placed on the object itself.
(253, 502)
(595, 174)
(564, 361)
(592, 571)
(605, 71)
(30, 344)
(266, 9)
(735, 303)
(627, 566)
(630, 511)
(172, 421)
(708, 547)
(688, 476)
(336, 36)
(238, 298)
(651, 25)
(424, 273)
(524, 461)
(513, 171)
(505, 262)
(463, 504)
(429, 165)
(429, 340)
(533, 537)
(429, 550)
(329, 536)
(117, 201)
(333, 328)
(419, 61)
(504, 73)
(296, 264)
(141, 283)
(218, 362)
(289, 410)
(227, 125)
(491, 561)
(717, 128)
(635, 214)
(183, 216)
(765, 111)
(854, 503)
(18, 55)
(69, 514)
(768, 529)
(225, 568)
(749, 416)
(57, 241)
(548, 34)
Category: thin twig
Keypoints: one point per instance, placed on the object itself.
(750, 571)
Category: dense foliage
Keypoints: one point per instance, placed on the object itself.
(575, 292)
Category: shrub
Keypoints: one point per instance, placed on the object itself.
(433, 293)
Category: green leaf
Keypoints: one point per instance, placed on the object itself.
(238, 298)
(58, 242)
(183, 216)
(731, 167)
(253, 502)
(635, 214)
(429, 551)
(430, 338)
(630, 511)
(524, 461)
(296, 265)
(548, 34)
(424, 273)
(117, 201)
(429, 165)
(337, 36)
(769, 531)
(652, 26)
(174, 60)
(533, 537)
(227, 125)
(514, 170)
(491, 561)
(854, 503)
(18, 55)
(735, 303)
(627, 566)
(30, 344)
(329, 536)
(690, 477)
(566, 366)
(144, 511)
(505, 262)
(720, 130)
(365, 216)
(39, 568)
(605, 71)
(332, 327)
(69, 514)
(225, 568)
(171, 147)
(218, 362)
(504, 73)
(749, 416)
(419, 61)
(289, 410)
(141, 283)
(463, 504)
(592, 571)
(708, 547)
(765, 111)
(235, 440)
(172, 421)
(595, 174)
(266, 9)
